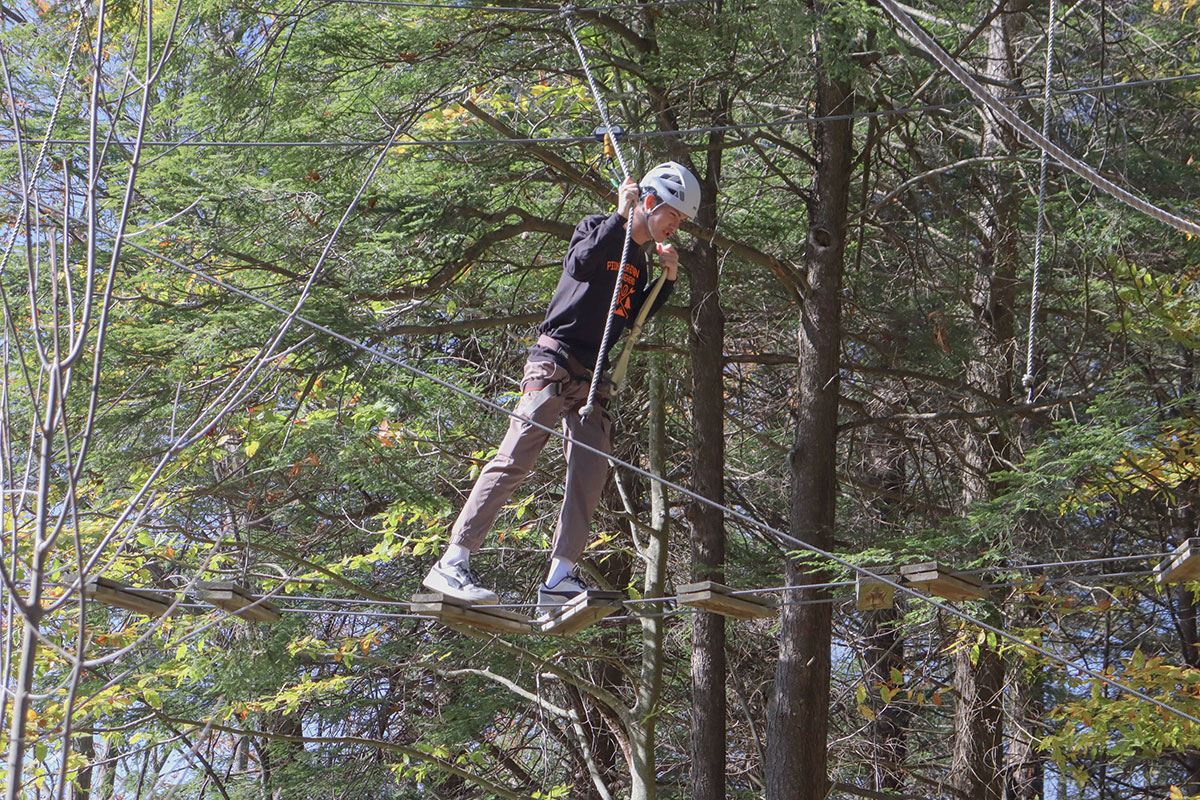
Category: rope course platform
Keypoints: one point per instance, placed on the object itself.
(720, 599)
(872, 594)
(1182, 565)
(238, 600)
(454, 612)
(112, 592)
(580, 612)
(936, 579)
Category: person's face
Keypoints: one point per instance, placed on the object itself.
(663, 221)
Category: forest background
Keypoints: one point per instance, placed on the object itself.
(269, 274)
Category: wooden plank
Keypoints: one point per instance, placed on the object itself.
(872, 594)
(121, 595)
(1182, 565)
(453, 611)
(581, 611)
(936, 579)
(719, 599)
(238, 600)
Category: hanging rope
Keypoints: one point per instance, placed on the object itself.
(1008, 115)
(610, 132)
(1034, 293)
(568, 13)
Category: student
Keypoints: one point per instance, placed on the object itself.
(557, 380)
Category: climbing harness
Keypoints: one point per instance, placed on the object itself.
(1034, 293)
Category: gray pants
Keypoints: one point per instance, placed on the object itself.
(586, 471)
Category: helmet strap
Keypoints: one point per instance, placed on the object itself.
(646, 215)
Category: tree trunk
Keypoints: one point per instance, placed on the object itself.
(885, 652)
(279, 756)
(642, 742)
(105, 778)
(883, 630)
(707, 529)
(84, 745)
(1184, 520)
(706, 340)
(978, 760)
(1025, 778)
(798, 717)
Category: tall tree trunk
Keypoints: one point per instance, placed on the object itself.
(642, 742)
(84, 745)
(105, 777)
(706, 338)
(883, 630)
(978, 759)
(798, 717)
(279, 756)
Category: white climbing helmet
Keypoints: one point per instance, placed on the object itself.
(675, 185)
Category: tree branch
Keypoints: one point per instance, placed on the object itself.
(404, 750)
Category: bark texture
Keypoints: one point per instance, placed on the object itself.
(798, 717)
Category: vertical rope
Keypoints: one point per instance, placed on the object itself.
(569, 15)
(1035, 294)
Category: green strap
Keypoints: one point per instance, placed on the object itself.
(618, 373)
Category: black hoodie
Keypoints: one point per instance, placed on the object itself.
(580, 303)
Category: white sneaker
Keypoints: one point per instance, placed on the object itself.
(567, 588)
(459, 582)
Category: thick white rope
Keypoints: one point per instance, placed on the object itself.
(1034, 293)
(569, 14)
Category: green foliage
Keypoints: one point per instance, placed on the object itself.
(301, 466)
(1100, 724)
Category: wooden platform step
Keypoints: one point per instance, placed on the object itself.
(580, 612)
(238, 600)
(1182, 565)
(936, 579)
(719, 599)
(872, 594)
(453, 611)
(121, 595)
